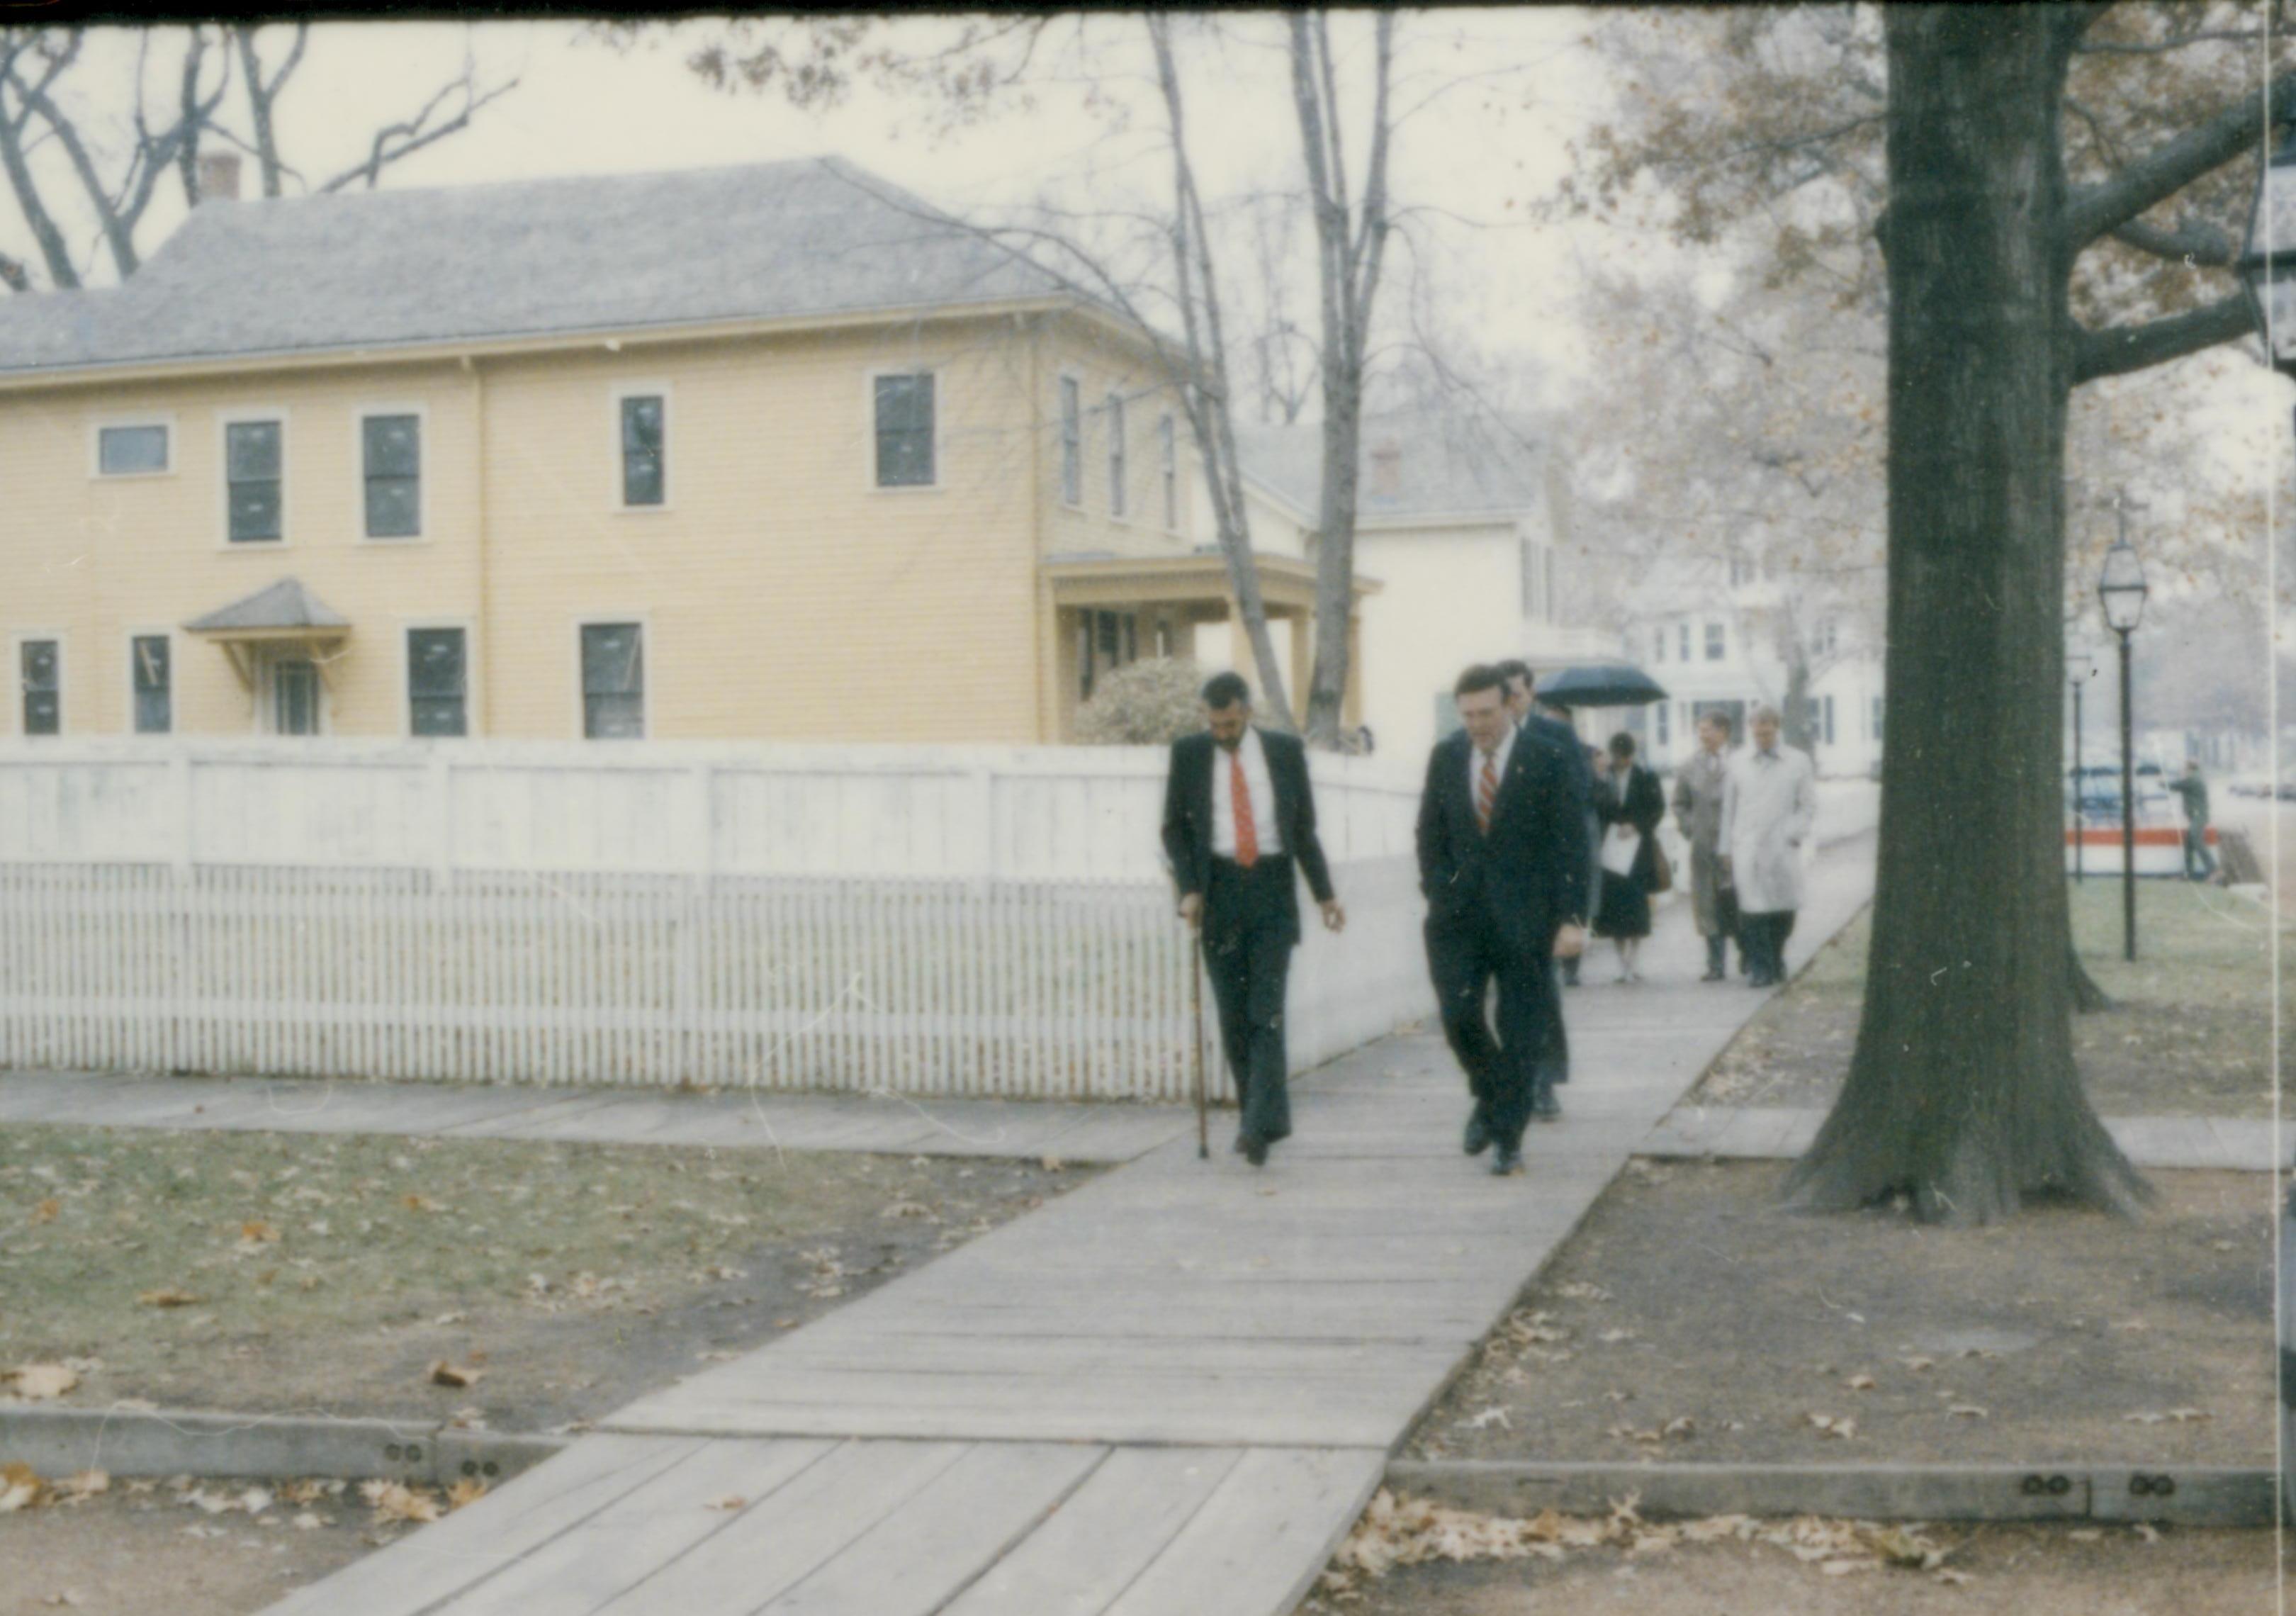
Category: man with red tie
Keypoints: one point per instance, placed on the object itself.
(1503, 864)
(1239, 813)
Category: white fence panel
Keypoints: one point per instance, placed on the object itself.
(926, 920)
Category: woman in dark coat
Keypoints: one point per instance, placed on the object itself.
(1628, 802)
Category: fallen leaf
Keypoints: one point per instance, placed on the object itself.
(45, 1210)
(1919, 1364)
(1682, 1427)
(906, 1208)
(444, 1374)
(1967, 1411)
(36, 1383)
(169, 1297)
(1860, 1383)
(470, 1490)
(1951, 1577)
(729, 1503)
(2147, 1531)
(395, 1501)
(85, 1484)
(421, 1203)
(258, 1231)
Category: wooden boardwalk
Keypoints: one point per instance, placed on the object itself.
(2240, 1144)
(1168, 1393)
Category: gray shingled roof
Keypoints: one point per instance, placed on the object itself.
(1445, 461)
(285, 605)
(379, 268)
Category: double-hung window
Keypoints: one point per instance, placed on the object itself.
(645, 449)
(1116, 445)
(904, 430)
(437, 682)
(1071, 442)
(254, 455)
(1714, 642)
(613, 681)
(40, 664)
(1167, 449)
(390, 450)
(153, 682)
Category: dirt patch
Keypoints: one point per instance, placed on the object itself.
(143, 1547)
(2189, 1033)
(2011, 1572)
(1692, 1320)
(299, 1275)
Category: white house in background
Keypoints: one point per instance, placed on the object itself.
(1463, 523)
(1709, 630)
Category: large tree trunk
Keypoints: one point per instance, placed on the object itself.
(1962, 1091)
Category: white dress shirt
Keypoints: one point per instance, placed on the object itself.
(1505, 751)
(1256, 781)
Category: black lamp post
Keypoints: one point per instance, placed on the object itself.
(2080, 667)
(2122, 589)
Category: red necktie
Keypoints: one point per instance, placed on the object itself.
(1247, 838)
(1487, 792)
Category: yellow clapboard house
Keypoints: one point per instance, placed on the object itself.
(774, 451)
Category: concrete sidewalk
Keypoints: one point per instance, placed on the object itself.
(887, 1123)
(1168, 1393)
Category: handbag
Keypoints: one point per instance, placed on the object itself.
(1661, 868)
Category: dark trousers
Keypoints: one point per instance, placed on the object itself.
(1554, 1048)
(1464, 958)
(1248, 935)
(1718, 949)
(1763, 937)
(2196, 852)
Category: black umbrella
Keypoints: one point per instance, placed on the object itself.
(1600, 685)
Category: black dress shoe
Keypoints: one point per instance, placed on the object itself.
(1507, 1162)
(1241, 1145)
(1479, 1135)
(1255, 1151)
(1546, 1107)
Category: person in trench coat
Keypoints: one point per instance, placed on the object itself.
(1698, 788)
(1768, 810)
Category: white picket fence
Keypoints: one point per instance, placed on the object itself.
(974, 921)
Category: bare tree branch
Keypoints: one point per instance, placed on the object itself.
(2194, 243)
(411, 135)
(2098, 209)
(2119, 349)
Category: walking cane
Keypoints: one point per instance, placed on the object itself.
(1196, 1037)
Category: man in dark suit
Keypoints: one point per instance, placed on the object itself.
(1554, 1057)
(1239, 813)
(1502, 861)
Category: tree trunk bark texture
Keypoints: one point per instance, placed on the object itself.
(1961, 1092)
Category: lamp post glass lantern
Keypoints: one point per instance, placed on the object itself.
(2267, 265)
(2122, 590)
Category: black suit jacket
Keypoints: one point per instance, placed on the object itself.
(1188, 813)
(1527, 877)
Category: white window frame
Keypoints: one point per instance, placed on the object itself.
(473, 711)
(360, 416)
(225, 421)
(1167, 451)
(644, 621)
(616, 485)
(940, 432)
(98, 425)
(1067, 382)
(17, 640)
(156, 631)
(1119, 456)
(1716, 634)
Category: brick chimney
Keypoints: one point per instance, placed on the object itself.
(219, 176)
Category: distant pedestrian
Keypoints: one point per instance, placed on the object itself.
(1502, 864)
(1768, 811)
(2194, 789)
(1698, 790)
(1630, 805)
(1239, 813)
